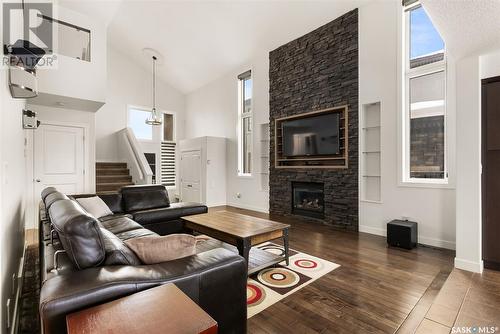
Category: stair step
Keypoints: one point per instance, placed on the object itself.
(113, 178)
(111, 171)
(111, 165)
(100, 187)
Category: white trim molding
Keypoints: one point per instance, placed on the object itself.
(476, 267)
(421, 239)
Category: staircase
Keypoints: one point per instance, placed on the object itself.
(111, 176)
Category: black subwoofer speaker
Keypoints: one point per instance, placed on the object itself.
(402, 233)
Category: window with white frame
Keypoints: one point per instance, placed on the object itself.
(424, 98)
(137, 122)
(245, 124)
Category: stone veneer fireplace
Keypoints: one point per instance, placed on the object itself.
(314, 72)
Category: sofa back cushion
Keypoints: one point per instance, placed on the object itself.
(47, 191)
(114, 202)
(137, 198)
(78, 232)
(117, 253)
(52, 198)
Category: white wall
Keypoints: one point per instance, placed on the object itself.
(213, 111)
(432, 208)
(129, 84)
(12, 187)
(470, 71)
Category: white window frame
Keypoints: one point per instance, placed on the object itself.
(241, 116)
(408, 74)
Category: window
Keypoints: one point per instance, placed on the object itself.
(245, 126)
(137, 122)
(424, 98)
(168, 151)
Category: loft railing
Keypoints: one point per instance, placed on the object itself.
(131, 152)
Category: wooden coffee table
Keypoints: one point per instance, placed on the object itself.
(164, 309)
(244, 232)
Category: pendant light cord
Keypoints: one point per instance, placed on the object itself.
(154, 83)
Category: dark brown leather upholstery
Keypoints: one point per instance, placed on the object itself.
(47, 191)
(54, 197)
(174, 211)
(117, 253)
(78, 232)
(144, 197)
(215, 278)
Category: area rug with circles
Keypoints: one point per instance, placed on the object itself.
(271, 285)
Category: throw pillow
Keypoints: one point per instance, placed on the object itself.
(95, 206)
(156, 249)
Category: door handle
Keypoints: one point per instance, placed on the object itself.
(38, 181)
(190, 185)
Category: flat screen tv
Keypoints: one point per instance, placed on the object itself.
(312, 136)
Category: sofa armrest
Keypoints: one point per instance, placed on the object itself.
(215, 280)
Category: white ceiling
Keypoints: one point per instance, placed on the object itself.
(467, 26)
(203, 40)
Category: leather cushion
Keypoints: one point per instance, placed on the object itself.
(54, 197)
(175, 211)
(47, 191)
(117, 253)
(114, 202)
(120, 224)
(114, 216)
(138, 233)
(144, 197)
(151, 250)
(78, 232)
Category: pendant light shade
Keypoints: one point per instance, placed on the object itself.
(154, 118)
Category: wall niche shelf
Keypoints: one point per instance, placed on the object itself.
(339, 161)
(370, 159)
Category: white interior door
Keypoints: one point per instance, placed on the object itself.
(59, 159)
(191, 176)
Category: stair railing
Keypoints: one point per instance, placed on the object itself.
(131, 152)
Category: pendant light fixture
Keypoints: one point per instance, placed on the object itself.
(154, 118)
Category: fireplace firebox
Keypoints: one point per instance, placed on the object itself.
(308, 199)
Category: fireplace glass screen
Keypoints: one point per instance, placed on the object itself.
(308, 199)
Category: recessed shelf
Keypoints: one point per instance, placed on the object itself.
(370, 160)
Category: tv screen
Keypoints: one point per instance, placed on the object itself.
(315, 135)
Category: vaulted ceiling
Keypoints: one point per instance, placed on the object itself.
(467, 26)
(203, 40)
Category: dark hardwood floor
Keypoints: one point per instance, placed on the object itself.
(374, 291)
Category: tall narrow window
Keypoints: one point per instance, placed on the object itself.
(245, 126)
(424, 98)
(168, 151)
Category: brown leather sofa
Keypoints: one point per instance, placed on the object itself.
(84, 261)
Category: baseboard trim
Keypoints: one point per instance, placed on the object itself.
(475, 267)
(421, 239)
(213, 205)
(248, 207)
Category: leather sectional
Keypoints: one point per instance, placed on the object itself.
(85, 262)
